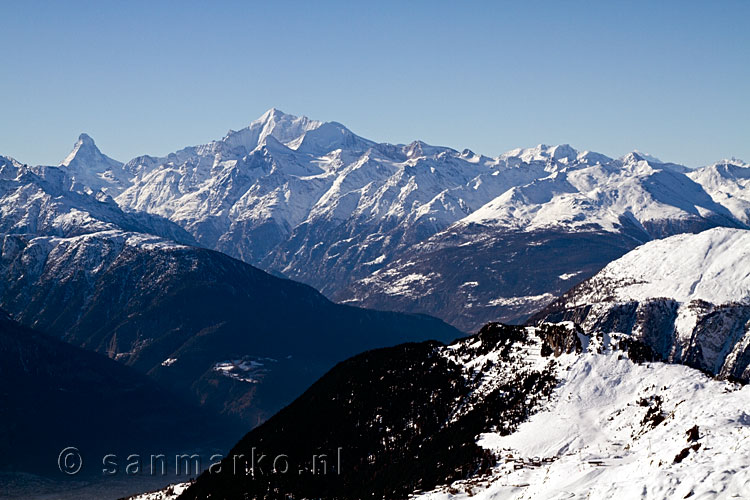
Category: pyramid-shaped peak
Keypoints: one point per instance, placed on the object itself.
(85, 139)
(86, 153)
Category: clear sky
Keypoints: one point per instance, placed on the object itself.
(668, 78)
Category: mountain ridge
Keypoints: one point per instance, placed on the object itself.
(211, 328)
(315, 202)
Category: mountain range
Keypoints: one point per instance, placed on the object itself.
(228, 277)
(413, 227)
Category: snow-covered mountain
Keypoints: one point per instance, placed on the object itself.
(319, 204)
(728, 182)
(46, 201)
(614, 429)
(686, 297)
(90, 169)
(414, 227)
(273, 192)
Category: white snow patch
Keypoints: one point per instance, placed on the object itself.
(544, 298)
(567, 276)
(171, 492)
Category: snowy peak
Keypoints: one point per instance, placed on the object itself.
(86, 153)
(730, 169)
(274, 123)
(327, 137)
(282, 126)
(86, 139)
(645, 156)
(644, 159)
(9, 167)
(91, 170)
(728, 183)
(543, 152)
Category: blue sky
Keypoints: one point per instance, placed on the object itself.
(668, 78)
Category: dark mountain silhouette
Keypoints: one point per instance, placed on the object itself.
(212, 328)
(54, 395)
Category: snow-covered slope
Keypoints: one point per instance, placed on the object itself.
(407, 416)
(171, 492)
(615, 429)
(44, 201)
(687, 297)
(712, 266)
(555, 413)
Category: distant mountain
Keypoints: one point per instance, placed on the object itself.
(535, 241)
(211, 328)
(56, 395)
(48, 201)
(414, 227)
(310, 199)
(89, 168)
(686, 297)
(728, 182)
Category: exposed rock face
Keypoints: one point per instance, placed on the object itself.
(686, 297)
(472, 274)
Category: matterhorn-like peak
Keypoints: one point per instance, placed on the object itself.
(85, 153)
(85, 139)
